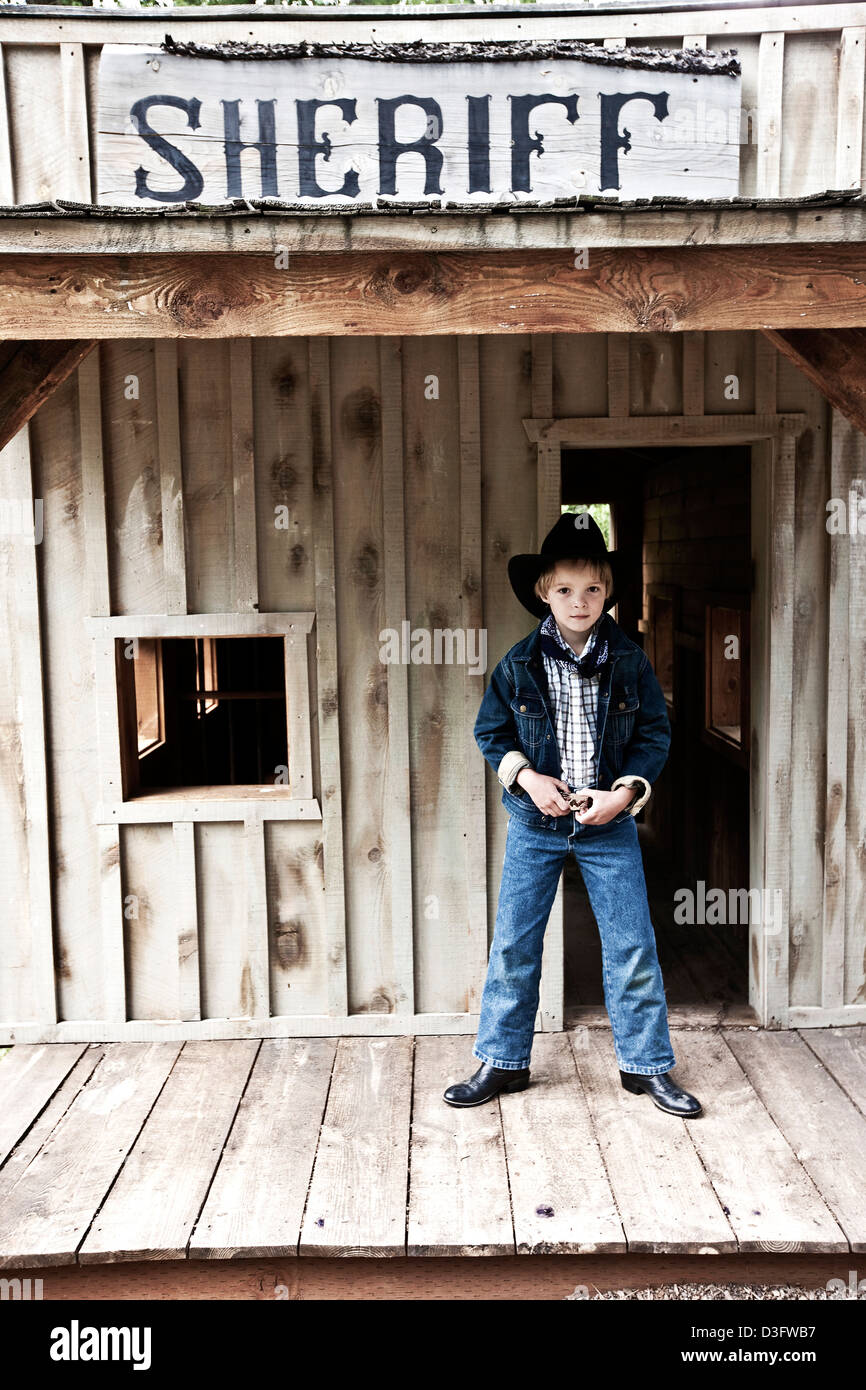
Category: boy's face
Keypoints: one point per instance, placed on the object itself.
(576, 598)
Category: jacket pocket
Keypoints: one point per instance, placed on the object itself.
(624, 704)
(530, 719)
(523, 807)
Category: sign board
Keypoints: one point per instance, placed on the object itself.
(345, 131)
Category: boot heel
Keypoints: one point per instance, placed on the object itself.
(630, 1085)
(517, 1085)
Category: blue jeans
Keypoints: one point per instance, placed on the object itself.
(611, 865)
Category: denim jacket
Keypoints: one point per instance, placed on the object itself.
(515, 722)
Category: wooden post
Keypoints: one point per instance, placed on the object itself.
(777, 554)
(849, 108)
(170, 475)
(76, 134)
(256, 971)
(189, 983)
(397, 790)
(33, 794)
(468, 352)
(845, 453)
(245, 577)
(771, 61)
(326, 675)
(93, 488)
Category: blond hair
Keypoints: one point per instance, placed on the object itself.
(599, 569)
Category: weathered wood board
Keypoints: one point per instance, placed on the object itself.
(347, 130)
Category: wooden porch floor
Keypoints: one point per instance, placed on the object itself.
(341, 1147)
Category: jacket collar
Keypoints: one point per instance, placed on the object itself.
(529, 649)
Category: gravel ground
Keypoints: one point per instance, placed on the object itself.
(740, 1292)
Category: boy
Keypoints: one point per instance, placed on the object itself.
(575, 725)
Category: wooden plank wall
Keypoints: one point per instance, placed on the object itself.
(802, 84)
(381, 910)
(407, 479)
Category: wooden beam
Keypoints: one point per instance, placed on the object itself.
(727, 20)
(32, 373)
(166, 807)
(583, 431)
(791, 221)
(835, 360)
(650, 290)
(201, 624)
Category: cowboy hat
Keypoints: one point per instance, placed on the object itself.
(575, 536)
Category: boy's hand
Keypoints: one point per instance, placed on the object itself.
(605, 805)
(550, 794)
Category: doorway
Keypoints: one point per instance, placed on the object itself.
(681, 519)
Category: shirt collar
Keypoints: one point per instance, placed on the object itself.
(550, 627)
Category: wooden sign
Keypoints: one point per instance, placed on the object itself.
(344, 130)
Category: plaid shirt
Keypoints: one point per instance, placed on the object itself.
(575, 704)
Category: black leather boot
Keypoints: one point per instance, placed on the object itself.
(487, 1082)
(666, 1094)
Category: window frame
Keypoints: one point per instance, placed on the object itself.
(121, 802)
(159, 740)
(670, 593)
(739, 602)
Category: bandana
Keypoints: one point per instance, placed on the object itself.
(591, 659)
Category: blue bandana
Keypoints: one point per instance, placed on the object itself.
(592, 658)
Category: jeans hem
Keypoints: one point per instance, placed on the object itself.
(503, 1066)
(643, 1070)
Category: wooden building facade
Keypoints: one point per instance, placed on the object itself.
(317, 461)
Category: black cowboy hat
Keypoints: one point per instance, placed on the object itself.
(575, 536)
